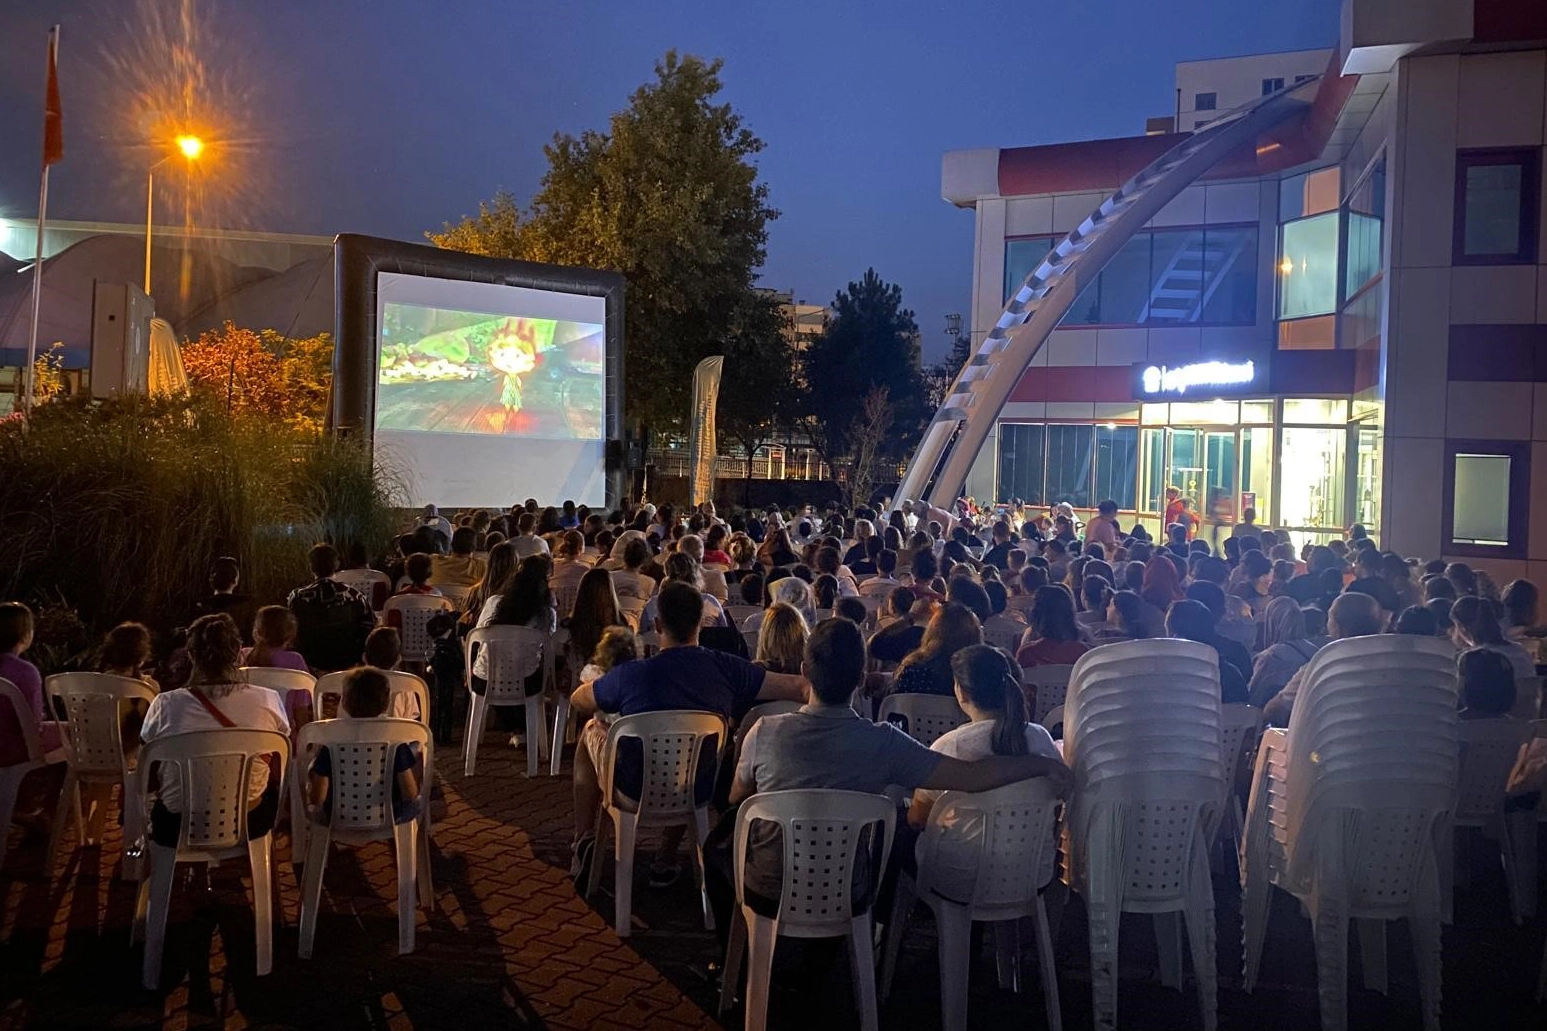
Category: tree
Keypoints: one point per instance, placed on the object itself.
(669, 197)
(867, 441)
(757, 387)
(263, 373)
(871, 341)
(939, 376)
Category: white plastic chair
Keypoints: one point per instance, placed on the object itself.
(456, 594)
(1241, 630)
(364, 581)
(93, 704)
(757, 712)
(1013, 860)
(1528, 698)
(632, 610)
(738, 613)
(1349, 808)
(281, 681)
(1004, 633)
(511, 654)
(1052, 720)
(649, 643)
(360, 803)
(1051, 684)
(822, 834)
(562, 691)
(415, 612)
(1142, 735)
(410, 695)
(924, 717)
(1488, 752)
(1240, 727)
(714, 583)
(213, 768)
(11, 776)
(672, 742)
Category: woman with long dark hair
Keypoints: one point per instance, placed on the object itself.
(988, 688)
(1053, 639)
(596, 609)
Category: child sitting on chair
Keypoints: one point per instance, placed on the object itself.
(366, 694)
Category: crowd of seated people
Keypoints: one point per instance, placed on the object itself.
(903, 601)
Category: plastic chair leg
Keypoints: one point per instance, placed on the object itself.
(1424, 923)
(1329, 927)
(903, 899)
(536, 732)
(10, 785)
(862, 965)
(69, 797)
(1049, 973)
(1521, 827)
(132, 864)
(163, 864)
(1007, 954)
(1200, 935)
(260, 854)
(595, 882)
(735, 954)
(1372, 953)
(1256, 900)
(476, 709)
(422, 866)
(560, 732)
(311, 888)
(954, 926)
(403, 835)
(1541, 979)
(625, 827)
(700, 832)
(762, 933)
(1168, 944)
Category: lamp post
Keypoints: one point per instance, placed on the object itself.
(189, 147)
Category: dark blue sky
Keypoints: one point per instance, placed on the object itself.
(391, 116)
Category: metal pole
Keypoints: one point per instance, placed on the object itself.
(150, 206)
(37, 257)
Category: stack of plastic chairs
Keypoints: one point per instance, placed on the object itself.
(1010, 862)
(1349, 807)
(1142, 735)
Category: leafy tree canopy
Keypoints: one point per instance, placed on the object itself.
(668, 196)
(263, 373)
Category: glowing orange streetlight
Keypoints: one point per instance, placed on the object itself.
(190, 147)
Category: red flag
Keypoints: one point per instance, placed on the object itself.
(53, 116)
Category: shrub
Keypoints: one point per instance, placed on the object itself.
(116, 508)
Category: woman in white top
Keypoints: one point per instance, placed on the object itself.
(988, 688)
(217, 696)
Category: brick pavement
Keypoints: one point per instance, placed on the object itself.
(510, 945)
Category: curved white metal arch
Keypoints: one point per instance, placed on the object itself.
(939, 468)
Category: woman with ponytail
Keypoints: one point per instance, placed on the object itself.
(988, 688)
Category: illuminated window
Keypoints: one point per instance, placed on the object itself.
(1308, 267)
(1021, 462)
(1485, 511)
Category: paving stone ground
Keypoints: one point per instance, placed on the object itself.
(509, 944)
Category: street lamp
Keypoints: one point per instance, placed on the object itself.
(189, 147)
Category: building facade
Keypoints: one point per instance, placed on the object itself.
(1358, 336)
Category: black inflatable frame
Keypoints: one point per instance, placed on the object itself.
(356, 261)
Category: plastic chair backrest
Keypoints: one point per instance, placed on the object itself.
(1051, 684)
(673, 742)
(757, 712)
(1003, 633)
(1489, 749)
(214, 768)
(416, 611)
(1014, 828)
(328, 694)
(511, 654)
(456, 594)
(92, 705)
(925, 717)
(1238, 724)
(361, 753)
(1373, 728)
(25, 719)
(363, 580)
(1528, 698)
(822, 835)
(738, 614)
(632, 610)
(279, 679)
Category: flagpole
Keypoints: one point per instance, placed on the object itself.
(37, 261)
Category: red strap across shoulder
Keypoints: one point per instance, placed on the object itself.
(220, 717)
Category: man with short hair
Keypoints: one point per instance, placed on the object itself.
(827, 745)
(998, 556)
(526, 542)
(332, 619)
(880, 585)
(682, 675)
(460, 568)
(1351, 615)
(896, 639)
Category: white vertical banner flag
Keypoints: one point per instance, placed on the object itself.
(701, 443)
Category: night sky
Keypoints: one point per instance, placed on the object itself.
(390, 117)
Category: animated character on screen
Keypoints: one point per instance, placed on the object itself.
(513, 351)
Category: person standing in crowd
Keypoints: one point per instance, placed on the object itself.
(1102, 529)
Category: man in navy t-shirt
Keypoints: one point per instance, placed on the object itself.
(682, 676)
